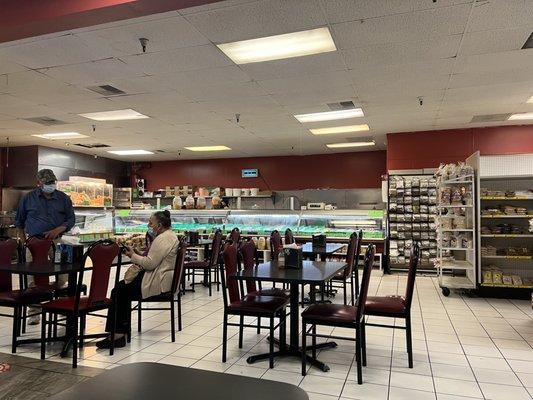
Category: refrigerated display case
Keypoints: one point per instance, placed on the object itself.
(262, 222)
(341, 223)
(87, 192)
(92, 224)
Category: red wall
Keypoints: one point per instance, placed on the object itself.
(339, 171)
(429, 149)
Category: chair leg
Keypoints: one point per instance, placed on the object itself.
(75, 344)
(241, 329)
(83, 323)
(358, 354)
(363, 342)
(345, 294)
(24, 316)
(313, 341)
(55, 325)
(258, 325)
(209, 281)
(303, 295)
(139, 316)
(172, 322)
(43, 335)
(16, 324)
(356, 282)
(351, 290)
(224, 336)
(179, 311)
(409, 339)
(304, 348)
(217, 274)
(271, 347)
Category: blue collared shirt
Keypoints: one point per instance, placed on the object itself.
(37, 214)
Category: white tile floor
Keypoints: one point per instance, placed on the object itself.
(464, 348)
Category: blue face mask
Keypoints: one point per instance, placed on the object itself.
(151, 232)
(50, 188)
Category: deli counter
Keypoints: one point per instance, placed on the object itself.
(338, 224)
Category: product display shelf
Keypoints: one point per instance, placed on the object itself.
(456, 244)
(411, 211)
(506, 259)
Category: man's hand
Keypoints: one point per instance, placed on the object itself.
(54, 233)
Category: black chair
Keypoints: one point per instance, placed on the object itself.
(207, 265)
(347, 275)
(397, 306)
(259, 306)
(289, 237)
(76, 308)
(343, 316)
(173, 296)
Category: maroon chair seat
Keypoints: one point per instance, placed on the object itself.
(386, 306)
(397, 306)
(197, 264)
(337, 314)
(258, 304)
(25, 297)
(207, 265)
(340, 315)
(276, 292)
(68, 304)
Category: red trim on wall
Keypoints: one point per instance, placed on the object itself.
(414, 150)
(339, 171)
(28, 18)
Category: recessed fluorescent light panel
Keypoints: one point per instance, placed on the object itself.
(208, 148)
(279, 47)
(530, 100)
(340, 129)
(61, 135)
(130, 152)
(520, 116)
(330, 115)
(350, 144)
(116, 115)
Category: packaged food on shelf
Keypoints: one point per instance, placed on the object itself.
(189, 202)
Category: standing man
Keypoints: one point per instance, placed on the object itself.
(46, 212)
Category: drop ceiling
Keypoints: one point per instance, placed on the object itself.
(463, 57)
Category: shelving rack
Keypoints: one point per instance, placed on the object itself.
(456, 265)
(514, 251)
(411, 217)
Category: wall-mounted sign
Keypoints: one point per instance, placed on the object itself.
(250, 173)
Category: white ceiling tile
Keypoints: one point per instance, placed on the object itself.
(504, 61)
(426, 5)
(493, 94)
(222, 91)
(310, 98)
(62, 50)
(491, 78)
(163, 34)
(410, 27)
(324, 81)
(179, 60)
(501, 14)
(405, 71)
(204, 77)
(407, 52)
(350, 10)
(258, 19)
(93, 72)
(494, 41)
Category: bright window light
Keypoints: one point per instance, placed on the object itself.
(528, 115)
(530, 100)
(208, 148)
(350, 144)
(340, 129)
(130, 152)
(330, 115)
(61, 135)
(279, 47)
(116, 115)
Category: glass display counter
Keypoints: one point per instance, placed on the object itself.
(262, 222)
(341, 223)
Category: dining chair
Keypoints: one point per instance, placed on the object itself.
(207, 265)
(289, 237)
(235, 236)
(397, 306)
(341, 316)
(20, 298)
(77, 307)
(174, 296)
(276, 247)
(270, 307)
(346, 275)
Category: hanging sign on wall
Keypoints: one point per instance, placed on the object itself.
(249, 173)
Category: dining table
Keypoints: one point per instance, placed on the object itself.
(312, 273)
(310, 251)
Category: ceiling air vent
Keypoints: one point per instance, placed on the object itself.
(490, 118)
(48, 121)
(106, 90)
(529, 43)
(159, 151)
(91, 145)
(342, 105)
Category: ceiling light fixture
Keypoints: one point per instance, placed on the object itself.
(340, 129)
(115, 115)
(528, 115)
(130, 152)
(330, 115)
(350, 144)
(530, 100)
(61, 135)
(279, 47)
(208, 148)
